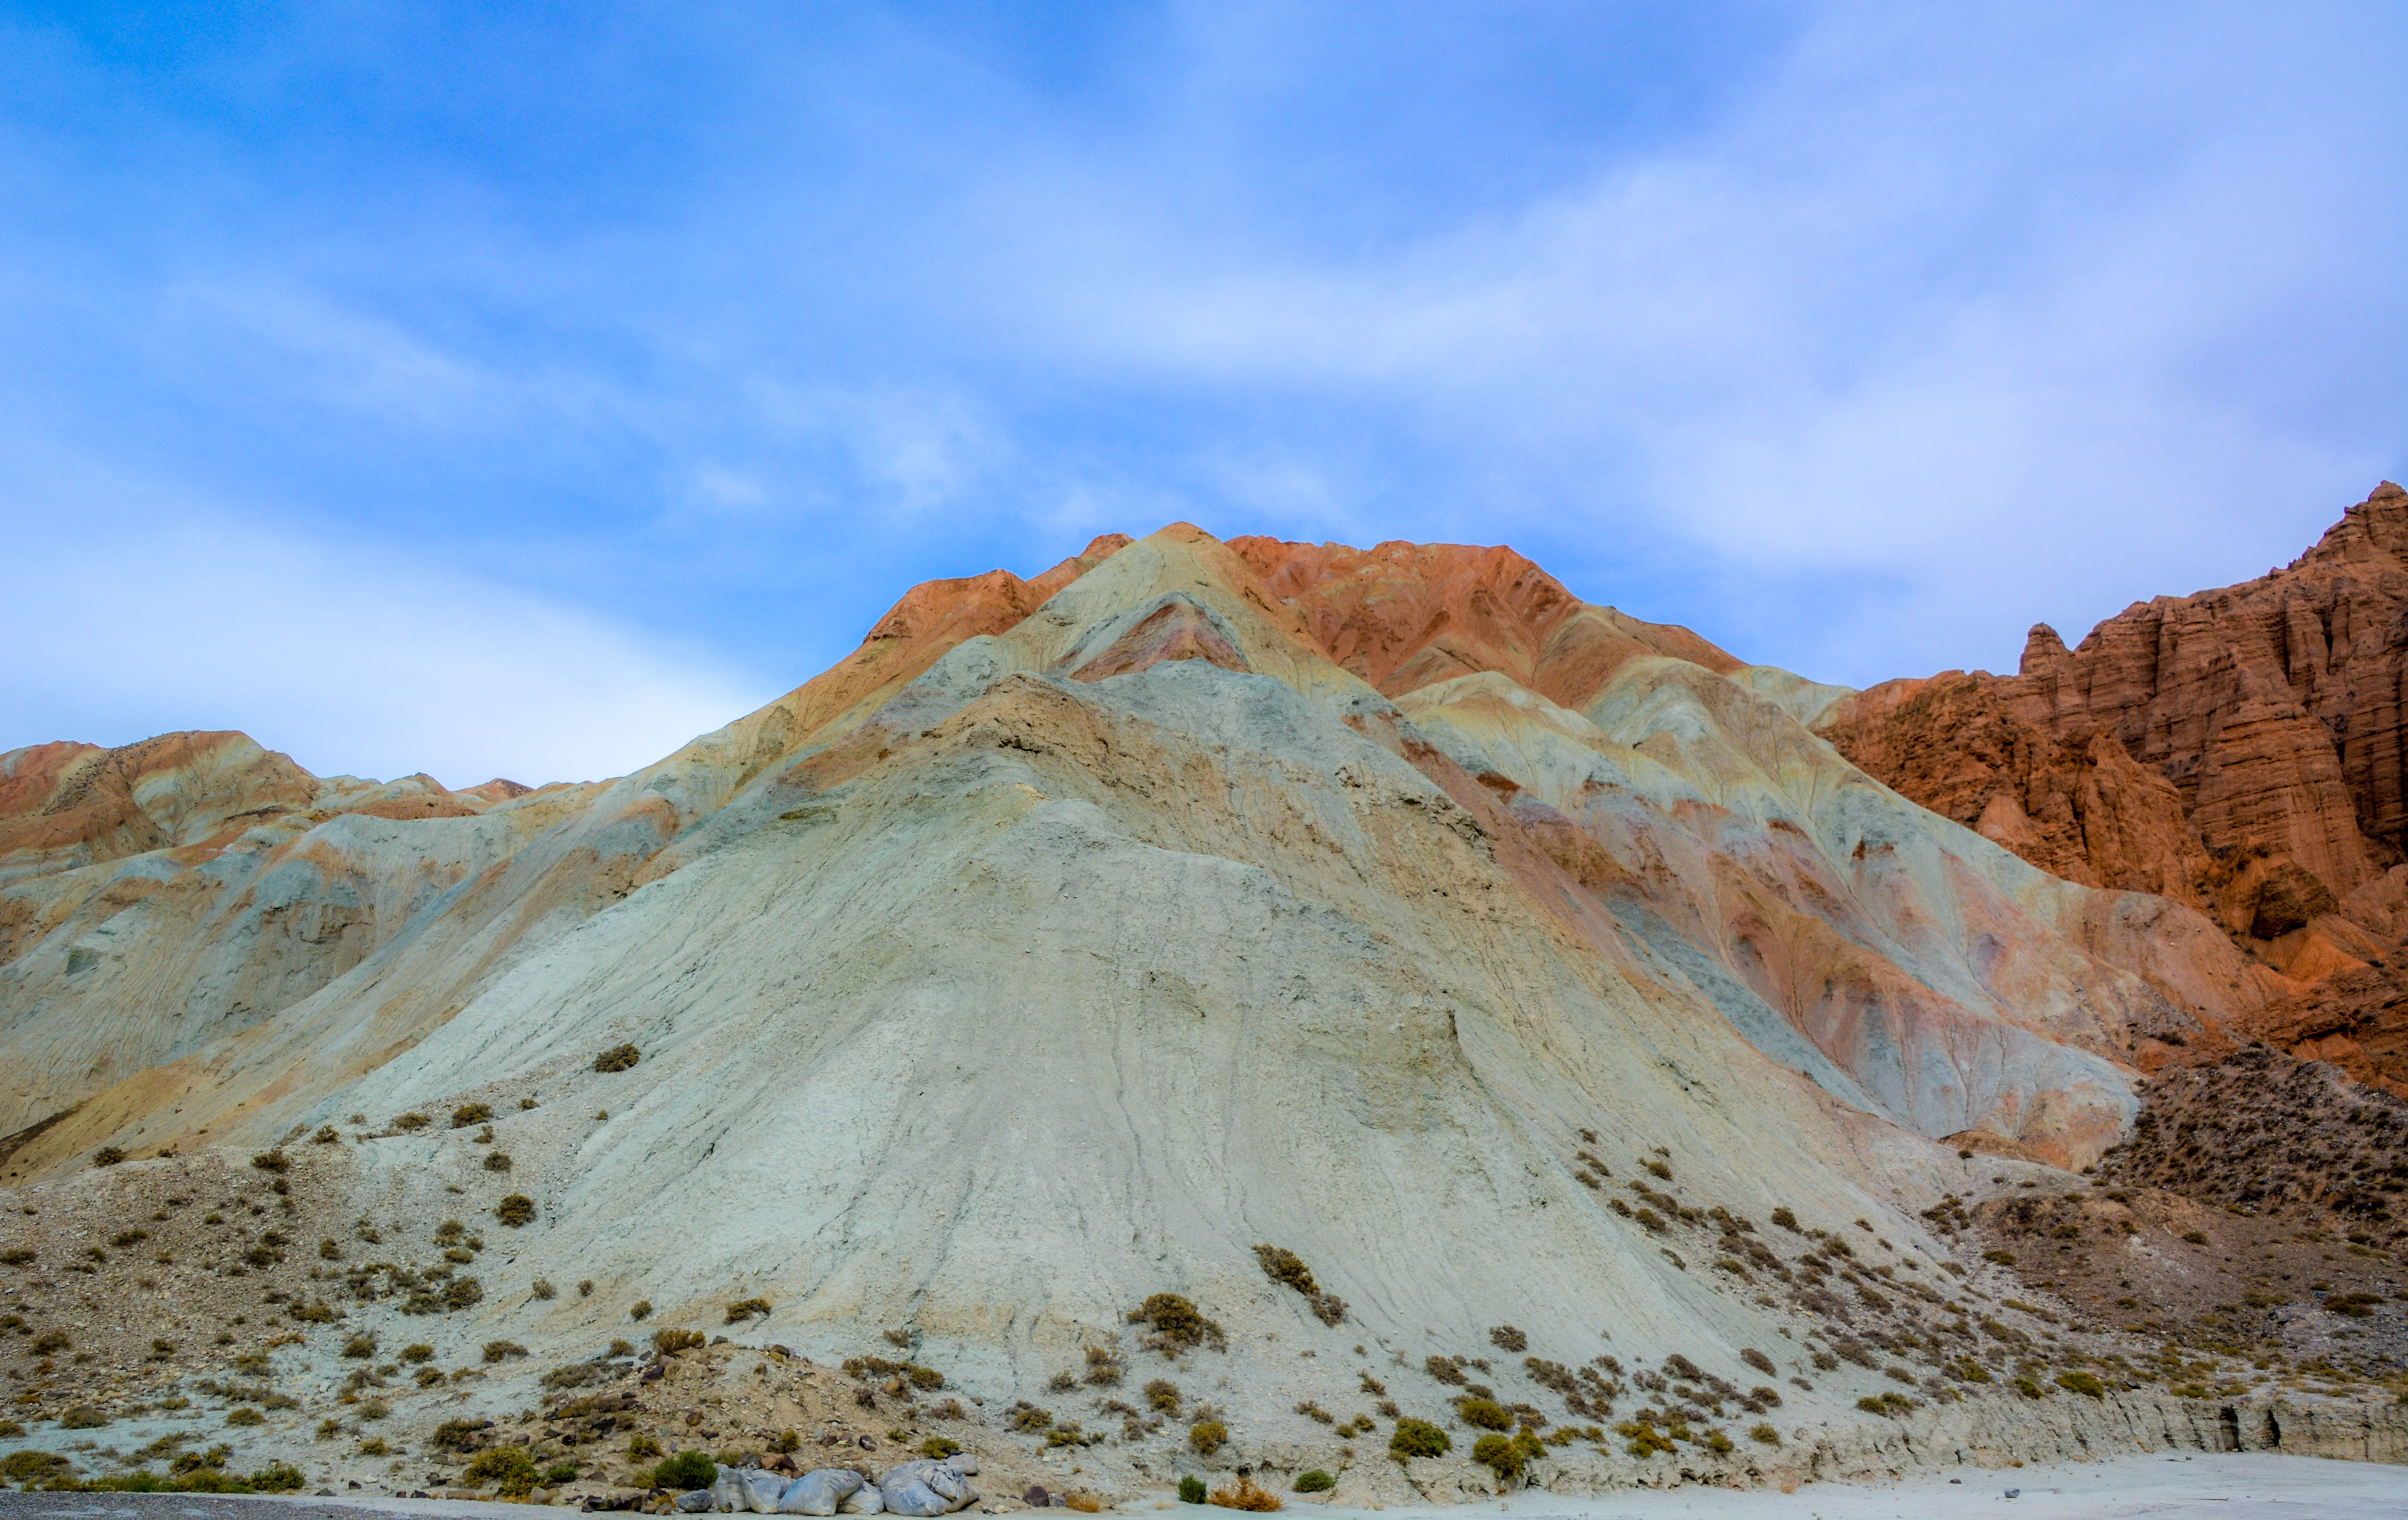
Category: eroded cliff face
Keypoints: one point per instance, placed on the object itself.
(2238, 751)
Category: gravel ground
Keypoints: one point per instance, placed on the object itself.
(2224, 1487)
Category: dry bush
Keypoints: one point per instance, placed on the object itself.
(1246, 1495)
(618, 1058)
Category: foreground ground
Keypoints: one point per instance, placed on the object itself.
(2230, 1487)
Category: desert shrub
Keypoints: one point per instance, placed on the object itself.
(1506, 1338)
(325, 1135)
(455, 1435)
(51, 1341)
(1246, 1495)
(419, 1351)
(560, 1472)
(1191, 1489)
(1758, 1360)
(1719, 1443)
(585, 1288)
(31, 1467)
(1890, 1403)
(108, 1155)
(408, 1122)
(618, 1058)
(1486, 1414)
(461, 1291)
(640, 1309)
(1418, 1437)
(1444, 1369)
(1504, 1455)
(129, 1236)
(503, 1351)
(1315, 1481)
(686, 1471)
(270, 1161)
(1177, 1324)
(1207, 1437)
(244, 1416)
(1787, 1219)
(1104, 1368)
(1765, 1434)
(1062, 1383)
(1681, 1367)
(622, 1348)
(1163, 1394)
(745, 1309)
(939, 1447)
(498, 1161)
(471, 1113)
(510, 1469)
(2195, 1236)
(83, 1417)
(542, 1288)
(2083, 1383)
(1283, 1265)
(361, 1344)
(640, 1445)
(18, 1256)
(514, 1210)
(1027, 1418)
(670, 1341)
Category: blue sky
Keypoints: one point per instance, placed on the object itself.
(522, 389)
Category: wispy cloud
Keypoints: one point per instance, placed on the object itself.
(1858, 334)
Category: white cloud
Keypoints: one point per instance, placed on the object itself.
(361, 658)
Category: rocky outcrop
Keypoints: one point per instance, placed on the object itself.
(2267, 781)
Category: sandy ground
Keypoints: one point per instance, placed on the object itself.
(2224, 1487)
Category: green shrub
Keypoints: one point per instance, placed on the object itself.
(1486, 1414)
(618, 1058)
(510, 1471)
(1500, 1454)
(1763, 1433)
(686, 1471)
(31, 1467)
(1312, 1481)
(2083, 1383)
(1207, 1437)
(1163, 1394)
(1418, 1437)
(939, 1447)
(640, 1445)
(281, 1478)
(1719, 1443)
(1177, 1324)
(1191, 1489)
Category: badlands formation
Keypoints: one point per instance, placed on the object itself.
(1240, 1009)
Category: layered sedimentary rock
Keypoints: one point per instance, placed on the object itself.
(1074, 936)
(2262, 721)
